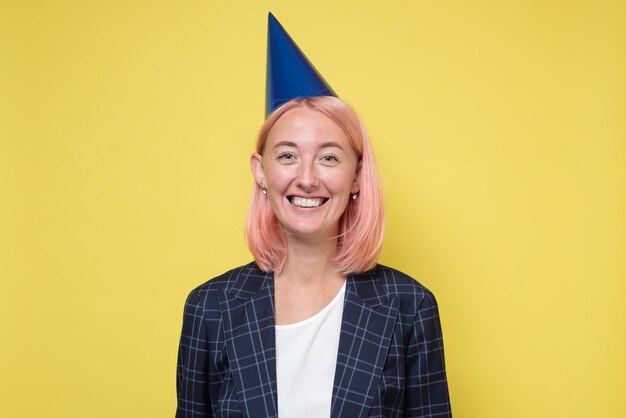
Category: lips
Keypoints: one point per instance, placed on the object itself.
(307, 202)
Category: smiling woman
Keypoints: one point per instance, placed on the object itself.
(314, 327)
(309, 178)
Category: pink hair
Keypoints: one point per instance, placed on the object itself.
(362, 225)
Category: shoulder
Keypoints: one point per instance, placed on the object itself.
(207, 293)
(396, 284)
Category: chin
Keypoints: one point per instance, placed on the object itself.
(310, 232)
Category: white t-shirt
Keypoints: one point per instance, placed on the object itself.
(306, 354)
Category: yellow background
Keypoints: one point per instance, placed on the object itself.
(500, 130)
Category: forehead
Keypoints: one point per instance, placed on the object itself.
(304, 126)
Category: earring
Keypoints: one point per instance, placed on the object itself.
(355, 196)
(264, 190)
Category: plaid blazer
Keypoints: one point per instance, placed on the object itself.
(390, 361)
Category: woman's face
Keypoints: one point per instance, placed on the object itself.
(309, 170)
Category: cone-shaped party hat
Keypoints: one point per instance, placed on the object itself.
(289, 73)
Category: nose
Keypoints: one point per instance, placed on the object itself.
(307, 177)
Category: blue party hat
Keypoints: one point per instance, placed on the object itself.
(289, 73)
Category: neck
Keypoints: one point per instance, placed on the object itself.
(310, 262)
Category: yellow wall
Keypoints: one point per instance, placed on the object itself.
(500, 128)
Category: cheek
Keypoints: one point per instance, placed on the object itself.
(343, 182)
(276, 178)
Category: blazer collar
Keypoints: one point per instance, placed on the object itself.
(368, 286)
(248, 281)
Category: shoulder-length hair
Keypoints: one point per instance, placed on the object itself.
(362, 225)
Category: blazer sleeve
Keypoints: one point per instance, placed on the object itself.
(426, 384)
(192, 370)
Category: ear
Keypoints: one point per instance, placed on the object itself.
(256, 165)
(356, 186)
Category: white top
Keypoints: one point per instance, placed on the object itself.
(306, 354)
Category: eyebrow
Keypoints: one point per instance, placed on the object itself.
(286, 144)
(330, 144)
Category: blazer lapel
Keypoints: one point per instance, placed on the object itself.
(248, 313)
(369, 317)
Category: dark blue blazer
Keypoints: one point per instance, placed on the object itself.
(390, 361)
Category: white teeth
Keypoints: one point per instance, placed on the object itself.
(302, 202)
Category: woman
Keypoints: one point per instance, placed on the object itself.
(314, 327)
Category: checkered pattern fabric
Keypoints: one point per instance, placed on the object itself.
(390, 361)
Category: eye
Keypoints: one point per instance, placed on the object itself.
(286, 157)
(330, 159)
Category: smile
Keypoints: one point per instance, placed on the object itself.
(303, 202)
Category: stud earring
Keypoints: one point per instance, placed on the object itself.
(264, 190)
(355, 196)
